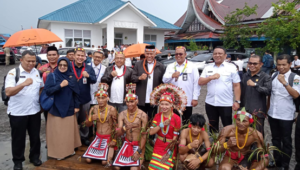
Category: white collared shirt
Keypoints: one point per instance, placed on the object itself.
(190, 87)
(295, 63)
(281, 105)
(117, 87)
(240, 64)
(219, 92)
(99, 71)
(149, 82)
(26, 102)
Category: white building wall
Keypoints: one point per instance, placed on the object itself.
(129, 33)
(160, 36)
(59, 30)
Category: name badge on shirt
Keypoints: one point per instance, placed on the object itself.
(84, 80)
(184, 77)
(22, 76)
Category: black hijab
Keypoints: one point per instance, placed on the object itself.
(63, 99)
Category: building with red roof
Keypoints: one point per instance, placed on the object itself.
(203, 21)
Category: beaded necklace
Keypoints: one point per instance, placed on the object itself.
(237, 139)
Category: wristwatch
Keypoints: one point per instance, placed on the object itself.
(255, 84)
(139, 151)
(239, 102)
(285, 85)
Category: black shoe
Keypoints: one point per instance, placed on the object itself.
(18, 166)
(85, 141)
(36, 162)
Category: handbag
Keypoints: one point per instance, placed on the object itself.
(45, 100)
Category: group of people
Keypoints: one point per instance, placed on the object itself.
(120, 101)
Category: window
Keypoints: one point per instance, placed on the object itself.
(150, 38)
(77, 38)
(118, 36)
(196, 26)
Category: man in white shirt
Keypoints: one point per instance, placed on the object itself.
(185, 75)
(99, 71)
(296, 65)
(117, 76)
(282, 109)
(24, 109)
(240, 64)
(7, 55)
(219, 78)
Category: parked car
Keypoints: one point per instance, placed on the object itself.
(12, 56)
(203, 59)
(25, 48)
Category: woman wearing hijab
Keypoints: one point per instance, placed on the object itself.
(62, 133)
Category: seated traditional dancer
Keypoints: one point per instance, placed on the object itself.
(104, 117)
(133, 122)
(191, 139)
(241, 138)
(166, 124)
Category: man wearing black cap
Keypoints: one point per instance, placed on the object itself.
(85, 76)
(147, 74)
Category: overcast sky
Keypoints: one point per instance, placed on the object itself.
(26, 12)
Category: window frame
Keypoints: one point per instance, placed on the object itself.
(76, 37)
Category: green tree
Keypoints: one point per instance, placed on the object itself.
(282, 29)
(237, 35)
(193, 45)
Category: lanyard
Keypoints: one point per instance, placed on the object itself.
(98, 72)
(75, 73)
(118, 77)
(183, 68)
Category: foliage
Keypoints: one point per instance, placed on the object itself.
(237, 35)
(193, 46)
(283, 28)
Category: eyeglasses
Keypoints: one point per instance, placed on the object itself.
(119, 58)
(63, 65)
(179, 54)
(255, 64)
(218, 54)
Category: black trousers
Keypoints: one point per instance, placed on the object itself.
(297, 104)
(213, 114)
(297, 143)
(260, 124)
(149, 110)
(282, 138)
(186, 114)
(19, 125)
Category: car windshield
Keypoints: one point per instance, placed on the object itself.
(201, 57)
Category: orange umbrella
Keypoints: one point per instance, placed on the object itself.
(32, 37)
(136, 50)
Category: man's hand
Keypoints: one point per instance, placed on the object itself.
(215, 76)
(243, 168)
(250, 83)
(112, 144)
(143, 77)
(44, 69)
(195, 144)
(28, 82)
(281, 79)
(231, 142)
(64, 83)
(194, 103)
(76, 110)
(193, 163)
(176, 75)
(114, 73)
(167, 122)
(135, 156)
(235, 106)
(85, 74)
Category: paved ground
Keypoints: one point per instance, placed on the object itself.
(5, 138)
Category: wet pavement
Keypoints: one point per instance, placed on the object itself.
(5, 138)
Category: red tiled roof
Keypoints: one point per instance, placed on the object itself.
(179, 22)
(228, 6)
(4, 37)
(209, 21)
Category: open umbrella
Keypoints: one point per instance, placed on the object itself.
(31, 37)
(136, 50)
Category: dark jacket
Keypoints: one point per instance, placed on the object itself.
(254, 98)
(108, 78)
(85, 89)
(141, 85)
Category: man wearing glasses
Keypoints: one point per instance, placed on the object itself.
(256, 85)
(220, 77)
(185, 75)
